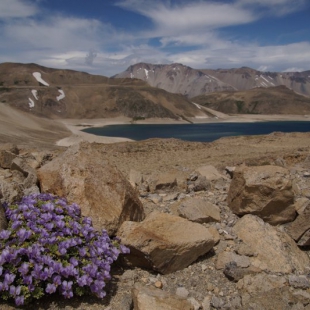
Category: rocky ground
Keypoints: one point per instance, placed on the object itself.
(251, 264)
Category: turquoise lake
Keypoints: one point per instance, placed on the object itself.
(198, 132)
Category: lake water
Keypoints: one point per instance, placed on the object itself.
(198, 132)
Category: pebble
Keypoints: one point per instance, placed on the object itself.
(158, 284)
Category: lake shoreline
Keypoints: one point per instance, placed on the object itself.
(77, 125)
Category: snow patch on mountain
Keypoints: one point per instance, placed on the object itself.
(31, 103)
(35, 94)
(38, 77)
(61, 96)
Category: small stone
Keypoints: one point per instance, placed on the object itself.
(210, 287)
(216, 290)
(182, 292)
(204, 267)
(158, 284)
(216, 302)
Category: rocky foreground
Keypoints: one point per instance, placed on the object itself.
(223, 225)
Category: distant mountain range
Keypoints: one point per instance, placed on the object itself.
(177, 78)
(145, 91)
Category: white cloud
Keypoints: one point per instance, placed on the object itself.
(277, 7)
(190, 16)
(17, 9)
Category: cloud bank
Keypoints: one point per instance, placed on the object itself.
(196, 33)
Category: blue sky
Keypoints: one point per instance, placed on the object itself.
(106, 36)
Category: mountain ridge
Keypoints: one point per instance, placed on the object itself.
(191, 82)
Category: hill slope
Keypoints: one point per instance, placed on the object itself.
(71, 94)
(177, 78)
(273, 100)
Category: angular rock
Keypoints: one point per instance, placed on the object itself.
(199, 210)
(201, 184)
(276, 251)
(28, 172)
(210, 172)
(147, 298)
(260, 283)
(305, 239)
(275, 299)
(83, 176)
(301, 204)
(299, 281)
(3, 220)
(225, 258)
(236, 273)
(164, 242)
(265, 191)
(135, 178)
(166, 182)
(8, 152)
(10, 190)
(301, 224)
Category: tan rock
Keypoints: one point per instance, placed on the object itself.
(8, 152)
(276, 251)
(164, 242)
(135, 178)
(305, 239)
(302, 223)
(147, 298)
(265, 191)
(166, 181)
(261, 282)
(210, 172)
(83, 176)
(226, 257)
(301, 204)
(199, 210)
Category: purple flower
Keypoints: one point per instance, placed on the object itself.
(9, 278)
(5, 234)
(27, 280)
(19, 300)
(24, 268)
(23, 234)
(84, 280)
(67, 285)
(48, 207)
(57, 280)
(14, 290)
(50, 288)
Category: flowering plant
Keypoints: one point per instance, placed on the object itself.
(49, 247)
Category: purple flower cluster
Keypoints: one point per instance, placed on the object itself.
(49, 247)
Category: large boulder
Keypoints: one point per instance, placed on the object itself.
(165, 242)
(275, 250)
(83, 176)
(265, 191)
(147, 298)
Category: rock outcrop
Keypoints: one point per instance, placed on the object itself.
(164, 242)
(265, 191)
(275, 250)
(83, 176)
